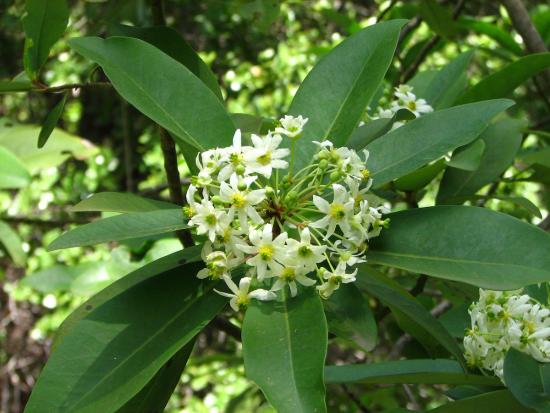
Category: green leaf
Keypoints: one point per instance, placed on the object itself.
(516, 200)
(164, 264)
(429, 137)
(502, 37)
(21, 140)
(13, 244)
(284, 347)
(344, 81)
(155, 395)
(540, 157)
(118, 346)
(448, 83)
(500, 401)
(177, 100)
(502, 140)
(502, 83)
(44, 23)
(51, 121)
(121, 227)
(120, 202)
(420, 178)
(9, 86)
(395, 296)
(174, 45)
(524, 377)
(252, 124)
(468, 158)
(468, 244)
(13, 174)
(350, 317)
(438, 17)
(422, 371)
(376, 128)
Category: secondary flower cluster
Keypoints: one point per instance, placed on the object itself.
(404, 99)
(290, 229)
(502, 320)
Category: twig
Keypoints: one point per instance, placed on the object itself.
(419, 286)
(355, 399)
(386, 10)
(522, 23)
(227, 327)
(411, 397)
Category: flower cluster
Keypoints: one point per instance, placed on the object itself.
(502, 320)
(288, 229)
(404, 99)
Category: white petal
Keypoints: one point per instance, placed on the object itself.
(262, 295)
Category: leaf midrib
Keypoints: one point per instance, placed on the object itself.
(145, 343)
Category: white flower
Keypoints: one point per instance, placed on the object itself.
(206, 219)
(217, 263)
(265, 156)
(268, 252)
(240, 296)
(208, 163)
(334, 279)
(291, 126)
(290, 275)
(235, 155)
(242, 199)
(303, 253)
(409, 101)
(336, 213)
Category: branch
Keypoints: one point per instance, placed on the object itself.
(522, 23)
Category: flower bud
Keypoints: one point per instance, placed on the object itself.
(269, 191)
(323, 164)
(335, 176)
(240, 169)
(216, 200)
(241, 186)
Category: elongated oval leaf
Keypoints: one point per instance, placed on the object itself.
(120, 202)
(525, 378)
(502, 140)
(161, 88)
(111, 353)
(392, 294)
(500, 401)
(350, 317)
(9, 86)
(13, 244)
(428, 138)
(121, 227)
(13, 173)
(44, 24)
(336, 91)
(284, 347)
(51, 121)
(468, 244)
(502, 83)
(469, 157)
(428, 371)
(174, 45)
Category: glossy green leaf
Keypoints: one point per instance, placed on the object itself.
(284, 348)
(121, 227)
(344, 81)
(253, 124)
(350, 317)
(120, 202)
(502, 83)
(165, 99)
(502, 140)
(469, 157)
(540, 157)
(376, 128)
(423, 371)
(44, 23)
(12, 243)
(448, 83)
(438, 17)
(13, 174)
(524, 377)
(21, 140)
(500, 401)
(9, 86)
(155, 395)
(468, 244)
(109, 355)
(502, 37)
(392, 294)
(174, 45)
(164, 264)
(420, 178)
(51, 121)
(429, 137)
(516, 200)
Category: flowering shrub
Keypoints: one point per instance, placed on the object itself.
(284, 224)
(502, 320)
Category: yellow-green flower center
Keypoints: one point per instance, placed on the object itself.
(211, 219)
(337, 211)
(288, 274)
(304, 251)
(411, 105)
(266, 252)
(238, 200)
(242, 301)
(264, 159)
